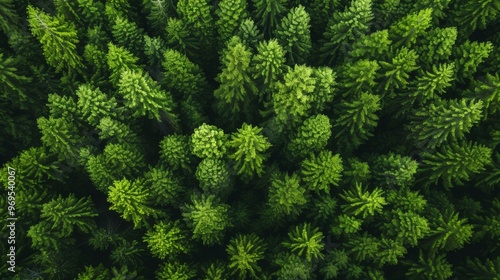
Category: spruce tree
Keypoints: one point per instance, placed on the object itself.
(268, 13)
(306, 242)
(294, 35)
(231, 13)
(244, 252)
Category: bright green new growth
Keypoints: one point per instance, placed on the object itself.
(372, 46)
(94, 105)
(61, 137)
(359, 77)
(363, 203)
(131, 200)
(346, 224)
(363, 247)
(406, 31)
(208, 141)
(292, 97)
(447, 120)
(321, 171)
(236, 83)
(430, 85)
(488, 91)
(312, 136)
(324, 91)
(287, 196)
(268, 62)
(468, 57)
(306, 242)
(64, 214)
(181, 76)
(167, 240)
(294, 35)
(248, 147)
(58, 39)
(214, 177)
(390, 251)
(231, 13)
(453, 164)
(397, 72)
(395, 170)
(244, 253)
(120, 59)
(207, 218)
(128, 34)
(438, 44)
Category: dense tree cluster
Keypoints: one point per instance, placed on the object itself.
(263, 139)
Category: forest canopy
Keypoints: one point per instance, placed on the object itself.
(260, 139)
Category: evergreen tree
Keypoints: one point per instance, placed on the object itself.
(406, 31)
(248, 150)
(397, 72)
(430, 267)
(269, 61)
(175, 151)
(372, 46)
(12, 82)
(287, 196)
(444, 121)
(312, 136)
(236, 84)
(119, 60)
(468, 57)
(131, 200)
(94, 105)
(450, 232)
(167, 240)
(8, 16)
(58, 39)
(438, 44)
(488, 91)
(207, 218)
(325, 89)
(182, 39)
(175, 271)
(181, 76)
(293, 267)
(244, 253)
(319, 172)
(346, 27)
(292, 97)
(390, 251)
(214, 177)
(164, 185)
(159, 12)
(395, 170)
(453, 164)
(61, 137)
(249, 34)
(475, 15)
(361, 202)
(363, 247)
(294, 35)
(128, 253)
(267, 13)
(128, 34)
(208, 141)
(477, 269)
(231, 13)
(306, 242)
(407, 227)
(359, 77)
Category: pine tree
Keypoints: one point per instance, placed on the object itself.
(293, 267)
(430, 267)
(346, 225)
(406, 31)
(477, 269)
(159, 12)
(397, 72)
(236, 85)
(208, 141)
(312, 136)
(164, 185)
(319, 172)
(244, 252)
(181, 76)
(167, 240)
(267, 13)
(407, 227)
(249, 34)
(144, 96)
(12, 82)
(445, 121)
(292, 97)
(175, 151)
(120, 59)
(306, 242)
(269, 61)
(325, 88)
(182, 39)
(131, 200)
(449, 233)
(58, 39)
(128, 253)
(476, 15)
(372, 46)
(65, 214)
(363, 203)
(356, 121)
(363, 247)
(287, 196)
(8, 16)
(390, 251)
(437, 45)
(438, 7)
(346, 27)
(207, 218)
(395, 170)
(94, 105)
(116, 132)
(469, 56)
(359, 77)
(455, 163)
(175, 271)
(248, 147)
(214, 177)
(488, 91)
(231, 14)
(61, 137)
(294, 35)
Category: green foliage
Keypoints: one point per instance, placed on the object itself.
(292, 267)
(294, 35)
(292, 97)
(159, 12)
(175, 150)
(269, 62)
(449, 233)
(319, 172)
(180, 75)
(356, 121)
(8, 16)
(116, 132)
(58, 39)
(371, 46)
(363, 247)
(356, 171)
(359, 77)
(390, 251)
(361, 202)
(165, 187)
(131, 200)
(287, 196)
(175, 271)
(338, 260)
(453, 164)
(488, 91)
(248, 148)
(128, 34)
(267, 13)
(231, 13)
(312, 136)
(397, 72)
(395, 170)
(306, 242)
(119, 60)
(167, 240)
(407, 200)
(182, 39)
(127, 253)
(214, 177)
(346, 27)
(429, 85)
(208, 141)
(438, 44)
(476, 14)
(406, 31)
(216, 271)
(207, 218)
(61, 137)
(441, 122)
(249, 33)
(468, 57)
(244, 253)
(235, 79)
(407, 227)
(346, 224)
(12, 83)
(477, 269)
(94, 105)
(430, 267)
(324, 91)
(64, 214)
